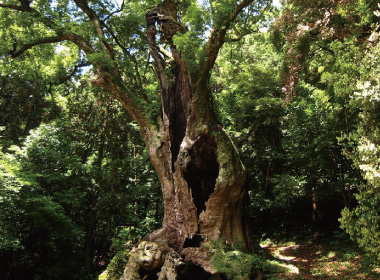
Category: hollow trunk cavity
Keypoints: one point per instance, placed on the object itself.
(201, 171)
(201, 174)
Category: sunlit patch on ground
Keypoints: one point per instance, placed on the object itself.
(318, 261)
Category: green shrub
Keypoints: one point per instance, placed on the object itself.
(234, 263)
(116, 267)
(363, 222)
(121, 245)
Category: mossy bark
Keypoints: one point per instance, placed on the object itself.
(202, 177)
(199, 169)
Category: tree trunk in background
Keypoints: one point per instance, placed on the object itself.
(266, 188)
(314, 200)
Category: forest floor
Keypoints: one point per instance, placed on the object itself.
(318, 259)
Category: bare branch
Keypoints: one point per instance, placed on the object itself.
(115, 12)
(326, 49)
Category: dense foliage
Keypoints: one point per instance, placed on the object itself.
(70, 190)
(331, 50)
(300, 101)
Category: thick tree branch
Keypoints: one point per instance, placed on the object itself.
(76, 39)
(158, 61)
(131, 57)
(217, 38)
(27, 9)
(15, 53)
(22, 8)
(80, 42)
(107, 77)
(76, 67)
(97, 24)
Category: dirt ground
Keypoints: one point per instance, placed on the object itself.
(318, 260)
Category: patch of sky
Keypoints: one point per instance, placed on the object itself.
(277, 3)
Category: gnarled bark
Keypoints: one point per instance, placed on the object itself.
(201, 174)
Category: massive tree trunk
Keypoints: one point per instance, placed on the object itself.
(200, 171)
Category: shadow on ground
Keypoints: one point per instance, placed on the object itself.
(318, 260)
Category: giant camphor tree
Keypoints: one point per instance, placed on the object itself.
(200, 171)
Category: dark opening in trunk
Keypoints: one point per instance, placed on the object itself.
(202, 171)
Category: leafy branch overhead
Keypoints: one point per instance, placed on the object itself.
(88, 26)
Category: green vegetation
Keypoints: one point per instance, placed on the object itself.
(300, 100)
(233, 262)
(71, 189)
(122, 244)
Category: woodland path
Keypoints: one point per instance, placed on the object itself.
(321, 260)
